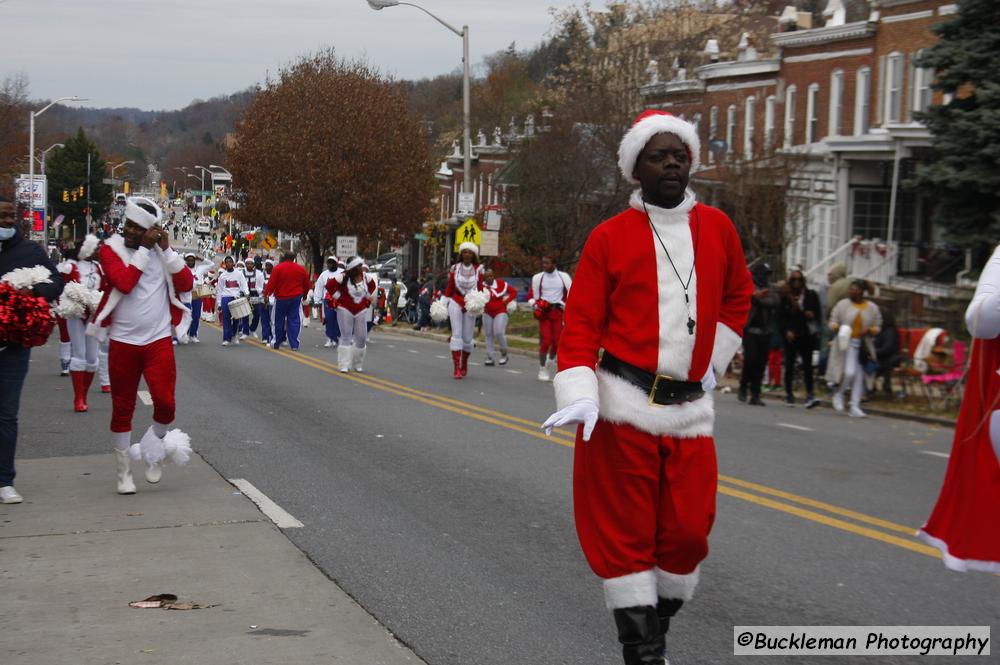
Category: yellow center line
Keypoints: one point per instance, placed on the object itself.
(565, 439)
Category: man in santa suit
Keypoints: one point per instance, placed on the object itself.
(139, 308)
(549, 291)
(664, 290)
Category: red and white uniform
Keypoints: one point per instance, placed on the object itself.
(353, 302)
(495, 317)
(549, 291)
(461, 280)
(355, 298)
(644, 485)
(501, 294)
(965, 523)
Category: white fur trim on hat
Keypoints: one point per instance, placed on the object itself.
(646, 127)
(471, 246)
(142, 217)
(88, 247)
(354, 263)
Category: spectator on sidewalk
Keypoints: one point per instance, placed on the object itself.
(887, 353)
(16, 252)
(757, 333)
(799, 320)
(288, 283)
(855, 322)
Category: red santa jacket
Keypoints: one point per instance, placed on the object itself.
(123, 267)
(501, 293)
(339, 294)
(452, 291)
(628, 300)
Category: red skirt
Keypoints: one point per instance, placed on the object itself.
(965, 523)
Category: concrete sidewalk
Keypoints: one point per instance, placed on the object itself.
(75, 553)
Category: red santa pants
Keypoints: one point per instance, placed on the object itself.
(550, 328)
(127, 363)
(644, 502)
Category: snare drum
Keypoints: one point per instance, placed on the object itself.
(254, 300)
(239, 308)
(202, 291)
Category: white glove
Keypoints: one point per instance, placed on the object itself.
(583, 410)
(708, 382)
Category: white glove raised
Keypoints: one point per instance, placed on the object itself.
(708, 382)
(583, 410)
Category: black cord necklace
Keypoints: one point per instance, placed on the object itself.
(684, 285)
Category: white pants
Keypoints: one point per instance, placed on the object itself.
(353, 328)
(495, 327)
(463, 326)
(102, 368)
(854, 374)
(83, 347)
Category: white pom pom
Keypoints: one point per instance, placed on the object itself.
(439, 311)
(178, 447)
(152, 448)
(88, 247)
(475, 302)
(512, 307)
(25, 278)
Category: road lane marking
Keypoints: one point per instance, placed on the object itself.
(281, 518)
(441, 357)
(513, 371)
(145, 397)
(798, 427)
(565, 439)
(413, 351)
(935, 453)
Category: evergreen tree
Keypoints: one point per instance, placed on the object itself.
(962, 175)
(66, 169)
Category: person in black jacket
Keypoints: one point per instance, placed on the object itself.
(799, 319)
(16, 252)
(887, 353)
(757, 334)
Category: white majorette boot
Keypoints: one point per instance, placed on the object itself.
(358, 359)
(125, 483)
(151, 449)
(344, 358)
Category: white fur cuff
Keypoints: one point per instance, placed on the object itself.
(727, 343)
(673, 586)
(574, 384)
(633, 590)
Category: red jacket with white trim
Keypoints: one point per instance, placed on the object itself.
(452, 291)
(628, 300)
(501, 293)
(339, 293)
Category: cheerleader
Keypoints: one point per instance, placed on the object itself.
(465, 277)
(78, 301)
(503, 301)
(350, 293)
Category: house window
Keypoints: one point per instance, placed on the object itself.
(812, 113)
(870, 214)
(749, 109)
(769, 122)
(713, 130)
(922, 79)
(862, 95)
(730, 128)
(790, 99)
(836, 102)
(894, 88)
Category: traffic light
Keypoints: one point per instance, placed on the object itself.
(81, 190)
(65, 196)
(74, 195)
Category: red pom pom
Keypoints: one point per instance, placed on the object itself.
(25, 319)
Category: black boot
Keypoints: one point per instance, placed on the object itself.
(639, 633)
(666, 608)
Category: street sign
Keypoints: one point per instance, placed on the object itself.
(493, 217)
(269, 242)
(41, 187)
(347, 246)
(420, 236)
(466, 203)
(490, 243)
(467, 232)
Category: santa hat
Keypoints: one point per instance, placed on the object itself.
(647, 125)
(471, 246)
(88, 247)
(191, 254)
(137, 209)
(354, 262)
(333, 258)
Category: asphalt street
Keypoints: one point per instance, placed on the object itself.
(441, 508)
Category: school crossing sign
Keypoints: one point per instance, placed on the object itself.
(467, 232)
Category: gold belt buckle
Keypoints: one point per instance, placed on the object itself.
(656, 384)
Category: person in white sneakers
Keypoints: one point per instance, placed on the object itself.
(139, 309)
(350, 293)
(330, 318)
(203, 273)
(549, 291)
(854, 321)
(230, 284)
(503, 301)
(255, 287)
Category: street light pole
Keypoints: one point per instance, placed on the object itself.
(31, 161)
(466, 129)
(203, 169)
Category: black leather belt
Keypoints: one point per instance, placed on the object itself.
(662, 390)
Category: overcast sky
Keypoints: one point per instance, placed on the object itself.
(162, 54)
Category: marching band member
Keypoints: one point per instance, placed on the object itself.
(288, 283)
(502, 296)
(76, 306)
(549, 290)
(230, 284)
(350, 293)
(664, 289)
(255, 287)
(267, 306)
(463, 278)
(330, 317)
(202, 275)
(138, 310)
